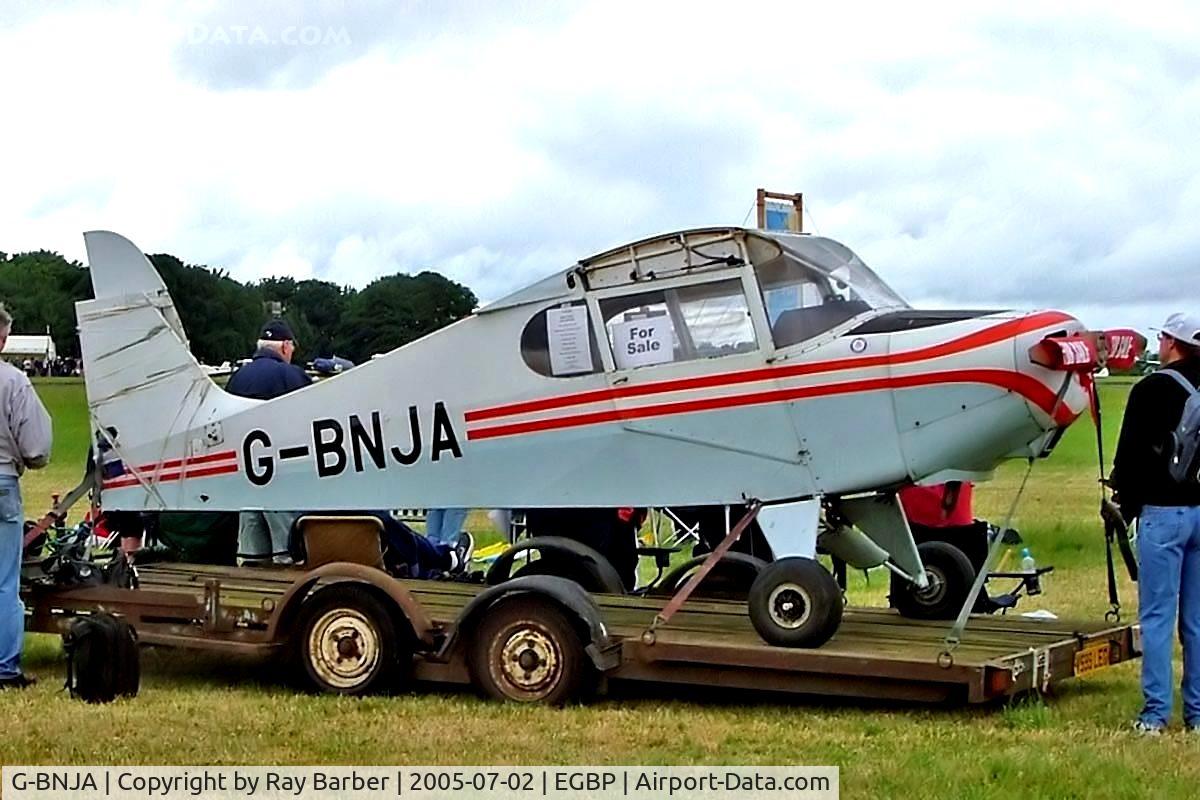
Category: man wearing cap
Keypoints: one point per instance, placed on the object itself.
(1168, 516)
(269, 374)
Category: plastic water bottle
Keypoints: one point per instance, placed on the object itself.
(1027, 562)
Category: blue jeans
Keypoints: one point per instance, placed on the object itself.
(266, 534)
(443, 525)
(12, 612)
(1169, 581)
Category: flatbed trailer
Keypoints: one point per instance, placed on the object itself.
(875, 654)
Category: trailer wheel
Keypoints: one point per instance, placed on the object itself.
(950, 574)
(795, 602)
(526, 650)
(347, 642)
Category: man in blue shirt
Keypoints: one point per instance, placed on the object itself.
(269, 374)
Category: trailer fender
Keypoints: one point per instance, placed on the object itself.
(288, 606)
(598, 568)
(567, 594)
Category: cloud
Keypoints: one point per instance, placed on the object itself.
(291, 44)
(998, 155)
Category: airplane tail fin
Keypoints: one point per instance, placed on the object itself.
(144, 386)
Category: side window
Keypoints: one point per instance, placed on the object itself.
(801, 303)
(559, 342)
(707, 320)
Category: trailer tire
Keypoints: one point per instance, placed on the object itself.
(950, 574)
(526, 650)
(347, 642)
(795, 602)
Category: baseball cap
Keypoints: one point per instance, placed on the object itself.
(1184, 327)
(277, 331)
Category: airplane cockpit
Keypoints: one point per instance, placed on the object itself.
(811, 285)
(700, 294)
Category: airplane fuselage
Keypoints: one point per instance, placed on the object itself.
(608, 385)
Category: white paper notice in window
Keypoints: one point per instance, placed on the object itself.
(642, 342)
(570, 348)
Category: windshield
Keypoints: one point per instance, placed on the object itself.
(854, 278)
(811, 285)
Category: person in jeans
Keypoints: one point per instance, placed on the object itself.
(25, 439)
(444, 525)
(1168, 515)
(270, 374)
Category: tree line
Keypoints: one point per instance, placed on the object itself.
(223, 316)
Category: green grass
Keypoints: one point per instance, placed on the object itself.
(204, 709)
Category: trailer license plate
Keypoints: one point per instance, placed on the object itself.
(1093, 657)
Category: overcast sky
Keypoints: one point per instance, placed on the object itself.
(975, 154)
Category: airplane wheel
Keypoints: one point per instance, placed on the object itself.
(795, 602)
(525, 650)
(950, 574)
(347, 642)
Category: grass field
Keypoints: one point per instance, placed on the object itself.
(208, 710)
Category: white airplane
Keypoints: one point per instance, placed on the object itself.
(706, 367)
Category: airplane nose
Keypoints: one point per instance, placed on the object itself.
(1056, 355)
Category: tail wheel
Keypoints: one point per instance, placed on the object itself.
(347, 642)
(795, 602)
(949, 574)
(527, 651)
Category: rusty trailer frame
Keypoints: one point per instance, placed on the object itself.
(876, 653)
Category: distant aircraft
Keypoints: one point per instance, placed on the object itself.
(706, 367)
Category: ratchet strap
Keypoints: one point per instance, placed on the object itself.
(676, 602)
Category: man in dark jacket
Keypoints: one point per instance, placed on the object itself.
(1168, 516)
(269, 374)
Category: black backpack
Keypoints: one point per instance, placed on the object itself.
(102, 658)
(1183, 453)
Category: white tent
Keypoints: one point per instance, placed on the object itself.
(30, 347)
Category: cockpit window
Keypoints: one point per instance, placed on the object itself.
(707, 320)
(802, 304)
(559, 342)
(811, 285)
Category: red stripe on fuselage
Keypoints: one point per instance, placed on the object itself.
(179, 462)
(1027, 386)
(165, 477)
(997, 333)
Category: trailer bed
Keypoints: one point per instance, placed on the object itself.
(876, 653)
